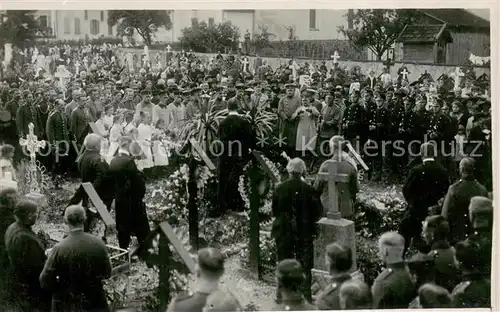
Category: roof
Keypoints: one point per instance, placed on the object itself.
(456, 17)
(424, 34)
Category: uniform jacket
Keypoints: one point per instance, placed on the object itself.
(25, 115)
(446, 274)
(393, 288)
(79, 124)
(329, 298)
(456, 207)
(57, 127)
(473, 292)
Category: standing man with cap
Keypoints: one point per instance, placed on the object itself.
(27, 257)
(457, 200)
(290, 278)
(210, 268)
(76, 267)
(287, 106)
(393, 288)
(481, 218)
(339, 260)
(425, 185)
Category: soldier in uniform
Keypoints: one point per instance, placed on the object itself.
(393, 288)
(378, 120)
(57, 130)
(481, 218)
(339, 261)
(210, 268)
(354, 124)
(475, 289)
(396, 113)
(439, 129)
(456, 203)
(435, 233)
(291, 277)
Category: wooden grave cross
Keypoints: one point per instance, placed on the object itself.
(333, 177)
(99, 205)
(202, 154)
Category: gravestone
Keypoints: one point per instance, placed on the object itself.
(332, 228)
(335, 57)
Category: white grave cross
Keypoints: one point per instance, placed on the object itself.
(169, 49)
(245, 64)
(335, 57)
(405, 74)
(458, 76)
(62, 74)
(333, 177)
(33, 146)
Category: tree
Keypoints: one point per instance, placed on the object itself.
(262, 39)
(202, 37)
(18, 27)
(377, 29)
(144, 22)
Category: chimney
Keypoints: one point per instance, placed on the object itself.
(350, 18)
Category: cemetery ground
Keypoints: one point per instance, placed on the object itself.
(379, 208)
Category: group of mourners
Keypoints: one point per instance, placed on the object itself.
(112, 122)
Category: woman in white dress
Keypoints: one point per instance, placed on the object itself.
(160, 153)
(115, 133)
(108, 116)
(307, 115)
(104, 132)
(144, 138)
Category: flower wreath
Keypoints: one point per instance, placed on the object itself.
(244, 187)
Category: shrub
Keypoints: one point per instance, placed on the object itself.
(210, 38)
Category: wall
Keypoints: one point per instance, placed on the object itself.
(59, 17)
(465, 43)
(415, 70)
(418, 52)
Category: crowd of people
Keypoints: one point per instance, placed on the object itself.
(112, 121)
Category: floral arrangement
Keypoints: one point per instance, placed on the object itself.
(379, 212)
(268, 256)
(266, 186)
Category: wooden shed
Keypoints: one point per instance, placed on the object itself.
(445, 36)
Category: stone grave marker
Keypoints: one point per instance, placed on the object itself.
(33, 146)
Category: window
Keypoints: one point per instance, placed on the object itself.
(94, 27)
(86, 14)
(110, 30)
(312, 19)
(211, 21)
(67, 26)
(194, 22)
(102, 16)
(43, 21)
(77, 26)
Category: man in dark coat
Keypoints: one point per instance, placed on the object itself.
(57, 131)
(475, 289)
(296, 208)
(425, 186)
(339, 259)
(27, 113)
(290, 276)
(76, 267)
(235, 133)
(481, 218)
(393, 288)
(129, 190)
(79, 122)
(457, 200)
(93, 169)
(210, 270)
(8, 196)
(27, 257)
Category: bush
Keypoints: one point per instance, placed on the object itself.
(368, 260)
(204, 38)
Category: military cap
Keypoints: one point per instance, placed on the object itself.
(311, 90)
(186, 91)
(420, 261)
(290, 86)
(146, 91)
(249, 90)
(290, 269)
(211, 260)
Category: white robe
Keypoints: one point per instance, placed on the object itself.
(306, 129)
(144, 138)
(108, 121)
(114, 135)
(176, 116)
(160, 153)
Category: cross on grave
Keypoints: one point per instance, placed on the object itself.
(33, 146)
(458, 75)
(405, 73)
(169, 49)
(335, 57)
(245, 64)
(99, 205)
(202, 154)
(62, 74)
(332, 177)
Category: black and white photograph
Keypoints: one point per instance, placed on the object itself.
(280, 159)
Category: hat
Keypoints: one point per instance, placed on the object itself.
(146, 91)
(250, 90)
(311, 90)
(240, 85)
(290, 86)
(186, 91)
